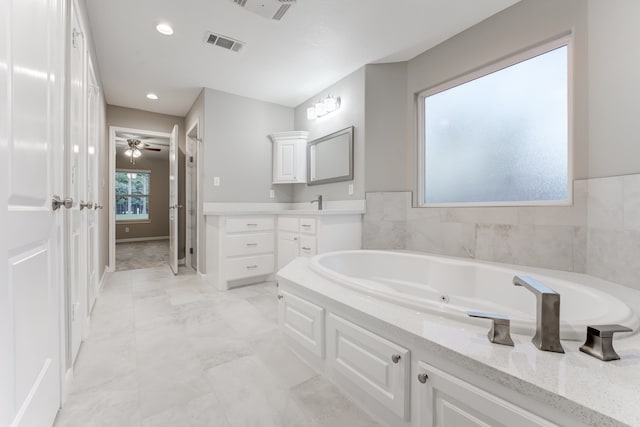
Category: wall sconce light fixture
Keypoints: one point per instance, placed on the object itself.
(323, 107)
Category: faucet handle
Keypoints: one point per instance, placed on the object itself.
(499, 332)
(599, 343)
(533, 285)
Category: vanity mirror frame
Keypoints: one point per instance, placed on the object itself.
(315, 142)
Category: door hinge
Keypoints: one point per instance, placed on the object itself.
(191, 251)
(190, 159)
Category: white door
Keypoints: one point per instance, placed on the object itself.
(31, 142)
(75, 181)
(173, 200)
(93, 126)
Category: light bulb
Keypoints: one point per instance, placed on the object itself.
(128, 152)
(137, 153)
(321, 110)
(311, 113)
(331, 104)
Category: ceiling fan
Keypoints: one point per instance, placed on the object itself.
(134, 147)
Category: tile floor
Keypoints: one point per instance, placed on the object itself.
(137, 255)
(173, 351)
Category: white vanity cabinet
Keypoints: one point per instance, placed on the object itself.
(240, 249)
(447, 401)
(311, 235)
(289, 157)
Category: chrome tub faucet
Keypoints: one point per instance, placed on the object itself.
(547, 337)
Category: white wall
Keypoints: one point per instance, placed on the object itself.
(237, 148)
(351, 91)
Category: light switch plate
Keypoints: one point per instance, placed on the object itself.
(272, 194)
(216, 181)
(351, 189)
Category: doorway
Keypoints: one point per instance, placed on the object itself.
(139, 231)
(192, 196)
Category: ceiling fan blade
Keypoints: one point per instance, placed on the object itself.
(152, 149)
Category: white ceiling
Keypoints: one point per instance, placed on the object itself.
(286, 62)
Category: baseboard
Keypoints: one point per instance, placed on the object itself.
(142, 239)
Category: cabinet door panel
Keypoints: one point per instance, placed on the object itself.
(288, 223)
(447, 401)
(241, 268)
(288, 248)
(367, 360)
(286, 163)
(308, 225)
(302, 323)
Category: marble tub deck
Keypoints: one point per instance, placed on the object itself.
(173, 351)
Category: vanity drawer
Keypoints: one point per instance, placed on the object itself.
(258, 223)
(308, 225)
(374, 364)
(288, 223)
(248, 244)
(241, 268)
(308, 246)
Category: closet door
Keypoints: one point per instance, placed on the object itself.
(93, 138)
(31, 145)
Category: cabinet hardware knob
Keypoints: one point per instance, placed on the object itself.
(423, 377)
(304, 248)
(396, 358)
(280, 296)
(252, 244)
(249, 267)
(252, 225)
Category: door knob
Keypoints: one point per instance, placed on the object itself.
(423, 377)
(84, 204)
(57, 203)
(98, 206)
(175, 206)
(396, 358)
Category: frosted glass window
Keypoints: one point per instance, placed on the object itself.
(501, 138)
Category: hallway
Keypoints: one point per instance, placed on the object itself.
(168, 350)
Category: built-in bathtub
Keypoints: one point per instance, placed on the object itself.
(451, 287)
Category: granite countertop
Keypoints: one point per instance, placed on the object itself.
(305, 212)
(596, 392)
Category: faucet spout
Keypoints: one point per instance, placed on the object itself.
(547, 337)
(318, 201)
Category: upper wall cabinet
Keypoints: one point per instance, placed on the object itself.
(290, 157)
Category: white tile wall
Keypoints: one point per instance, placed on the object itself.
(599, 234)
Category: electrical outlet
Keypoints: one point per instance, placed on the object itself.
(216, 181)
(272, 194)
(351, 189)
(126, 229)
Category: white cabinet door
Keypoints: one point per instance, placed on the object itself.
(374, 364)
(308, 246)
(302, 323)
(32, 56)
(288, 248)
(447, 401)
(286, 161)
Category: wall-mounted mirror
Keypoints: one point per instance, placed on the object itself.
(330, 158)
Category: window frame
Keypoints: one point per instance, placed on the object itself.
(505, 62)
(148, 196)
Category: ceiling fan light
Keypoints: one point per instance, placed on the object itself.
(137, 153)
(128, 152)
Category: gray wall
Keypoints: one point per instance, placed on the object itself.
(351, 91)
(158, 197)
(237, 148)
(614, 85)
(145, 120)
(386, 127)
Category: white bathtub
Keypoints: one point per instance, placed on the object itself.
(450, 287)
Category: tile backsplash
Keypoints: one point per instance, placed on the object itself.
(598, 235)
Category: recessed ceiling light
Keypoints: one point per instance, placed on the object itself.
(152, 96)
(164, 29)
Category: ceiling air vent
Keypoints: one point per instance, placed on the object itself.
(270, 9)
(224, 42)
